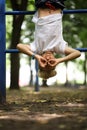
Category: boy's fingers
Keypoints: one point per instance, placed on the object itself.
(43, 61)
(51, 62)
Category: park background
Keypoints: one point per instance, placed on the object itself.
(62, 105)
(20, 69)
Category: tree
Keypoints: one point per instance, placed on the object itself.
(16, 32)
(82, 33)
(75, 26)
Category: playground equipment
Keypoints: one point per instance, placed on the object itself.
(3, 50)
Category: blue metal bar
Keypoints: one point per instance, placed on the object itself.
(32, 12)
(82, 49)
(74, 11)
(19, 12)
(17, 51)
(2, 52)
(12, 51)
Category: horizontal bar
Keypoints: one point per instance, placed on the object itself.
(32, 12)
(17, 51)
(12, 51)
(74, 11)
(82, 49)
(19, 12)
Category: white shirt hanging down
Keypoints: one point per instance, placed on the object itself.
(48, 34)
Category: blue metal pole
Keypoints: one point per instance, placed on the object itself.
(2, 53)
(37, 80)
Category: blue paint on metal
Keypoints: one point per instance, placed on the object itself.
(75, 11)
(12, 51)
(37, 81)
(82, 49)
(19, 12)
(32, 12)
(17, 51)
(2, 50)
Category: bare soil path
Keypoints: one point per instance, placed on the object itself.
(52, 108)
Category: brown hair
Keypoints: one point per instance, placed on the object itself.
(47, 72)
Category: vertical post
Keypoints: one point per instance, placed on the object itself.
(36, 83)
(2, 53)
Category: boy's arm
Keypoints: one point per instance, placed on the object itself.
(70, 55)
(26, 50)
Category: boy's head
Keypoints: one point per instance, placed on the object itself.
(46, 74)
(52, 4)
(48, 71)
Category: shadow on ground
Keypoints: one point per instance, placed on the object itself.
(50, 109)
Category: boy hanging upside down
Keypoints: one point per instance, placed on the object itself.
(48, 38)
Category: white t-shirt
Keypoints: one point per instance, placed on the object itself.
(48, 34)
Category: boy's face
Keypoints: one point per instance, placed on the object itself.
(48, 55)
(49, 70)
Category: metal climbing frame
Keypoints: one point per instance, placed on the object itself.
(3, 50)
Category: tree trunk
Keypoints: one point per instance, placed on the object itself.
(16, 32)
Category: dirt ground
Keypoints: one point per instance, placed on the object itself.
(52, 108)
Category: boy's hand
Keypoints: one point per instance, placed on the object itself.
(53, 62)
(42, 61)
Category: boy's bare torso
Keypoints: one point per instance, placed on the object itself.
(46, 12)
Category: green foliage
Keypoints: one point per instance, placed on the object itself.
(8, 30)
(28, 27)
(75, 24)
(8, 5)
(31, 5)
